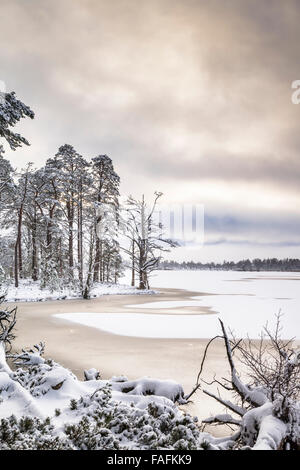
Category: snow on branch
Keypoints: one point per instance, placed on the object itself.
(147, 386)
(7, 324)
(222, 419)
(31, 357)
(268, 406)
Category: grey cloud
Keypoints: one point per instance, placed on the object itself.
(173, 91)
(229, 167)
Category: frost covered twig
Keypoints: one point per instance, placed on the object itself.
(197, 385)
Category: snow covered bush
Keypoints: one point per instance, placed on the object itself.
(52, 409)
(29, 433)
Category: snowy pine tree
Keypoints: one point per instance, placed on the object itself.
(105, 193)
(12, 110)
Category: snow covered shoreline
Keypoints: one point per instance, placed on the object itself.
(32, 292)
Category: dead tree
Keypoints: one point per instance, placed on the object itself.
(267, 409)
(145, 239)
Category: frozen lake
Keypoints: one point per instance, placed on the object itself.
(245, 301)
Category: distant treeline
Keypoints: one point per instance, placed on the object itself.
(269, 264)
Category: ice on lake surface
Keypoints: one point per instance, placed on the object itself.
(245, 301)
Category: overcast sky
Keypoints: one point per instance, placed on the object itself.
(192, 98)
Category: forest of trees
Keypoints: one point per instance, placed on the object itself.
(268, 264)
(62, 224)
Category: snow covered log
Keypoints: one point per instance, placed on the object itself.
(261, 430)
(148, 386)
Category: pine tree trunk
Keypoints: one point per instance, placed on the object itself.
(101, 263)
(49, 233)
(49, 238)
(71, 260)
(16, 265)
(20, 253)
(70, 210)
(107, 271)
(87, 289)
(34, 248)
(79, 241)
(60, 258)
(97, 261)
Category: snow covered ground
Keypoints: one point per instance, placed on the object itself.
(29, 291)
(245, 301)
